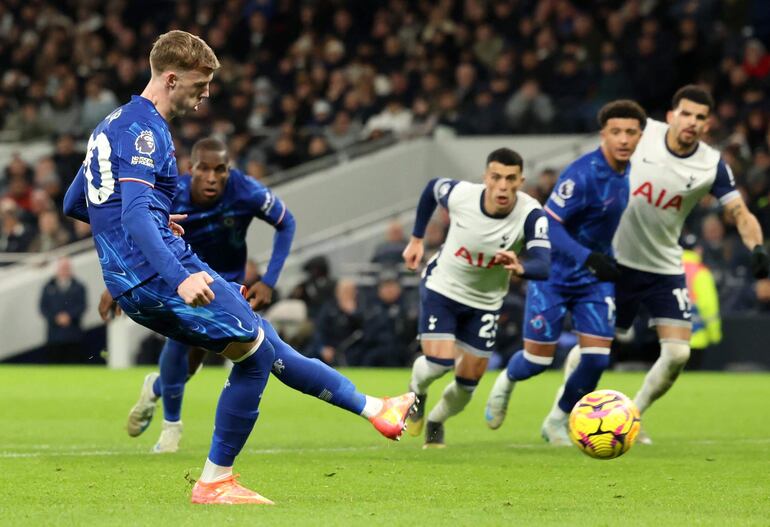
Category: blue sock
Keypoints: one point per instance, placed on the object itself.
(521, 367)
(238, 406)
(173, 375)
(584, 379)
(312, 376)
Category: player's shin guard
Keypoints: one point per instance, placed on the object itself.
(585, 378)
(673, 357)
(427, 369)
(456, 396)
(524, 365)
(238, 406)
(173, 375)
(312, 376)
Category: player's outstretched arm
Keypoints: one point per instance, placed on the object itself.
(75, 205)
(751, 234)
(537, 265)
(436, 191)
(285, 227)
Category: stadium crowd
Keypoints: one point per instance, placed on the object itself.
(302, 80)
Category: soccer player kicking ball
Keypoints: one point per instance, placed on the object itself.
(463, 285)
(125, 188)
(583, 212)
(219, 203)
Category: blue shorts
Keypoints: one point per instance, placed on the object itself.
(665, 297)
(441, 318)
(592, 307)
(228, 318)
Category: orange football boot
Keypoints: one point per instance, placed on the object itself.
(391, 421)
(226, 492)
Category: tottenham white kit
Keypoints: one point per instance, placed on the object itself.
(462, 270)
(664, 189)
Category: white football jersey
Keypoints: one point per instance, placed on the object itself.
(462, 269)
(664, 188)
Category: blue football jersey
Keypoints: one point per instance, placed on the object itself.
(588, 200)
(218, 234)
(133, 143)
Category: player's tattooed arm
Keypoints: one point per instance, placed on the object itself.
(746, 223)
(751, 234)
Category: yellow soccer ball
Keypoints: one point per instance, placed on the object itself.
(604, 424)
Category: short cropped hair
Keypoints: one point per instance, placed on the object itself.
(208, 144)
(622, 109)
(507, 157)
(182, 50)
(694, 93)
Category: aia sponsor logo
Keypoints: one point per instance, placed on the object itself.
(659, 199)
(476, 260)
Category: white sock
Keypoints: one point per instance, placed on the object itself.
(556, 413)
(171, 423)
(453, 400)
(673, 357)
(213, 472)
(570, 363)
(372, 407)
(424, 372)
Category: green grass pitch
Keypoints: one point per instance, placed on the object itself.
(66, 460)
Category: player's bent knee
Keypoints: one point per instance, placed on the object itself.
(439, 349)
(238, 351)
(677, 351)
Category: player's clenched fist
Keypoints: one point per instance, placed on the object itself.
(413, 253)
(195, 290)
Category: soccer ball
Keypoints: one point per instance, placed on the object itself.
(604, 424)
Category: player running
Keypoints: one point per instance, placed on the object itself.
(672, 170)
(463, 285)
(125, 190)
(219, 203)
(583, 212)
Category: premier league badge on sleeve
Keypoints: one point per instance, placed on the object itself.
(566, 189)
(145, 143)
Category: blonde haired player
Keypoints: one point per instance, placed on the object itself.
(463, 285)
(125, 190)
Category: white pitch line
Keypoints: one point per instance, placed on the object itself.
(75, 451)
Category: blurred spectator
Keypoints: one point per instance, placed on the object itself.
(338, 327)
(529, 110)
(62, 303)
(756, 59)
(388, 253)
(61, 113)
(389, 328)
(706, 322)
(395, 118)
(15, 237)
(543, 185)
(98, 102)
(318, 286)
(50, 233)
(67, 158)
(343, 131)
